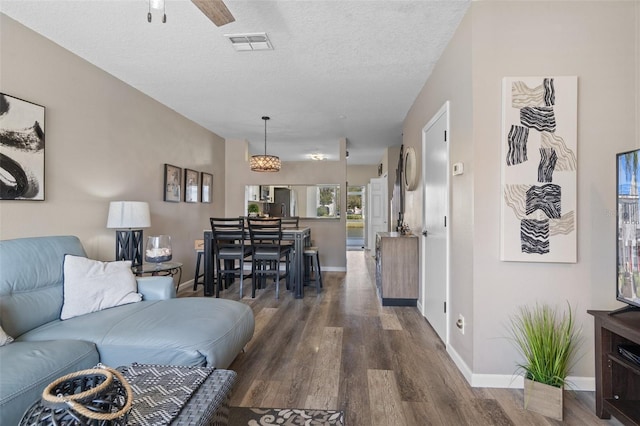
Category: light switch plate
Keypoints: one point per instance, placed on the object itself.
(458, 169)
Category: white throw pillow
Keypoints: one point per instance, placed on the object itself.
(91, 285)
(5, 339)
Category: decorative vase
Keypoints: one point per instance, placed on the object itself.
(543, 399)
(158, 249)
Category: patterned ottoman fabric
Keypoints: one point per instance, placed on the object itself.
(210, 404)
(179, 395)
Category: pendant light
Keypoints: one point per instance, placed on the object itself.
(158, 4)
(265, 163)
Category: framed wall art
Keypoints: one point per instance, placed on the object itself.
(21, 149)
(207, 187)
(539, 169)
(172, 183)
(190, 186)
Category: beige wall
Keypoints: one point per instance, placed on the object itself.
(594, 40)
(450, 81)
(359, 175)
(328, 234)
(105, 141)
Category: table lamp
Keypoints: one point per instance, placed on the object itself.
(124, 216)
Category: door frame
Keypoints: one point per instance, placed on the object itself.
(371, 230)
(363, 189)
(444, 110)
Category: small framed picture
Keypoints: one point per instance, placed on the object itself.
(190, 186)
(172, 183)
(207, 187)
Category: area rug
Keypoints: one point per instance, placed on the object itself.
(245, 416)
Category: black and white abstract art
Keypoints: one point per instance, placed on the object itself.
(539, 169)
(21, 149)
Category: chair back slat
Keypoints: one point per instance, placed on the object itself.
(227, 232)
(266, 232)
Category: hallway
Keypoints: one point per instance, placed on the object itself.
(382, 366)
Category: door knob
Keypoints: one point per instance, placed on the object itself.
(425, 233)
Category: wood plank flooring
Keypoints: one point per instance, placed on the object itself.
(382, 365)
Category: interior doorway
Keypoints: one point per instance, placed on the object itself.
(377, 210)
(435, 235)
(356, 200)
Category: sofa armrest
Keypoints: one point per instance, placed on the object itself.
(156, 288)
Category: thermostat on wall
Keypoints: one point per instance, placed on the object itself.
(458, 169)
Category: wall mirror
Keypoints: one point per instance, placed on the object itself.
(321, 201)
(410, 170)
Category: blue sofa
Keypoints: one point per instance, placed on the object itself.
(160, 329)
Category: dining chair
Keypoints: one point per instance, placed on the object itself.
(267, 253)
(228, 238)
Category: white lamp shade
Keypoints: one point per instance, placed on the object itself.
(128, 214)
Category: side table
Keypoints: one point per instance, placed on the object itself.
(164, 268)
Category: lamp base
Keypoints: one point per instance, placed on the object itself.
(129, 246)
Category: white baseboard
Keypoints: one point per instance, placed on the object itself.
(189, 284)
(333, 268)
(511, 381)
(459, 362)
(186, 284)
(581, 383)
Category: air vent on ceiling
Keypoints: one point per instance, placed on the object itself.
(252, 41)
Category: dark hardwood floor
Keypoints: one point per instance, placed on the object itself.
(382, 365)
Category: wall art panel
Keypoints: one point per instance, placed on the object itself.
(21, 149)
(539, 169)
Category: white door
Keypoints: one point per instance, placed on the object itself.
(377, 204)
(435, 184)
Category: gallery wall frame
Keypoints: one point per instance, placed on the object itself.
(539, 169)
(206, 194)
(172, 183)
(191, 186)
(22, 149)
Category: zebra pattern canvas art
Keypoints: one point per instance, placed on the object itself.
(539, 169)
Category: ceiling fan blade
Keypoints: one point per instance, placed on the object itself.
(215, 10)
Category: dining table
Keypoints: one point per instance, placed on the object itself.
(300, 237)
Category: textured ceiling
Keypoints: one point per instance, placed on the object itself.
(339, 69)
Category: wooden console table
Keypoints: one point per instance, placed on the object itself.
(617, 379)
(397, 268)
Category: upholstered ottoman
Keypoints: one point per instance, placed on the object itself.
(159, 388)
(209, 405)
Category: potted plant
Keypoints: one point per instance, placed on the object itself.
(253, 209)
(548, 340)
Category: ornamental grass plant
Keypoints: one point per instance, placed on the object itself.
(548, 341)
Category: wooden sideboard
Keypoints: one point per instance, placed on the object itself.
(397, 268)
(617, 379)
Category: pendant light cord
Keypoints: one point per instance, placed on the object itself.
(265, 118)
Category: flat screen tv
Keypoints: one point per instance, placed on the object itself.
(628, 228)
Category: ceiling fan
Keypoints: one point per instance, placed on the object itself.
(215, 10)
